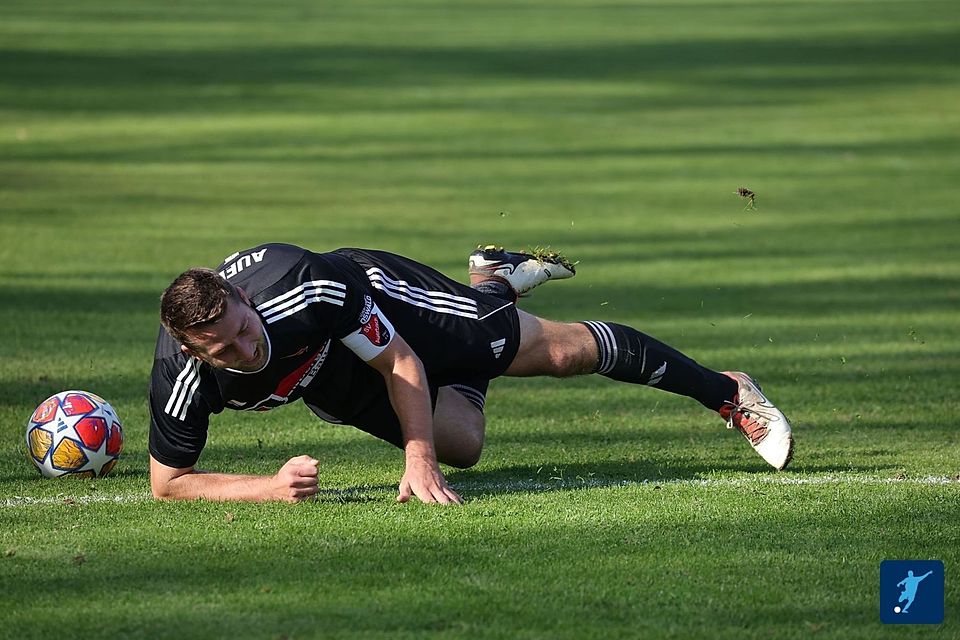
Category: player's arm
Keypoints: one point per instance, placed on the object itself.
(367, 332)
(182, 397)
(406, 383)
(296, 480)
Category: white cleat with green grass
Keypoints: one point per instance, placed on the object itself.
(522, 270)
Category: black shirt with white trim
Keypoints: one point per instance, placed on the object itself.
(320, 323)
(325, 315)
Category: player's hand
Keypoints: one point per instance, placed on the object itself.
(296, 480)
(423, 479)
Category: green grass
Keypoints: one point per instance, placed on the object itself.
(139, 138)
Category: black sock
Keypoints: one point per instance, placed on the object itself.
(496, 288)
(630, 356)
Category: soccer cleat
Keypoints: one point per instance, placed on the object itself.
(761, 423)
(522, 271)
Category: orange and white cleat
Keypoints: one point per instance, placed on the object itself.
(761, 423)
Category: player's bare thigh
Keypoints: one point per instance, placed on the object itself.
(546, 348)
(458, 429)
(549, 348)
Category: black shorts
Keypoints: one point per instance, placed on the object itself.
(378, 418)
(464, 338)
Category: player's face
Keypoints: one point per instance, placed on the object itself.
(236, 341)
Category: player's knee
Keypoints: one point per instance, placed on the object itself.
(561, 362)
(571, 350)
(567, 360)
(469, 443)
(466, 459)
(472, 449)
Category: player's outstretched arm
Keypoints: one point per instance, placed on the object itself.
(295, 481)
(410, 396)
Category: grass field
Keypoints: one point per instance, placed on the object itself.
(139, 138)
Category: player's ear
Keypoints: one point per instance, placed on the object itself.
(243, 295)
(190, 352)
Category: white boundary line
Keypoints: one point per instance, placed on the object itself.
(64, 499)
(553, 483)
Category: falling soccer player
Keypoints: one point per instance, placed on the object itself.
(395, 348)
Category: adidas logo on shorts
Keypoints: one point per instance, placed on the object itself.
(497, 346)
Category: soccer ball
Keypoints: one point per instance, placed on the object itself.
(74, 433)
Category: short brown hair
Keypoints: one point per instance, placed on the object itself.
(196, 297)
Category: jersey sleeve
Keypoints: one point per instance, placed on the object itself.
(179, 414)
(354, 317)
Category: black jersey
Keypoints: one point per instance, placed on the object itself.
(324, 315)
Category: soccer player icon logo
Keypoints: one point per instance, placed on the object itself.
(909, 585)
(903, 600)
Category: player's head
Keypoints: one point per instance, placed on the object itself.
(213, 320)
(910, 574)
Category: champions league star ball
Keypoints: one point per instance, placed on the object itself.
(74, 433)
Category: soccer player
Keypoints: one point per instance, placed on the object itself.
(392, 347)
(909, 585)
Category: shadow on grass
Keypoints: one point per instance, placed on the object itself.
(156, 81)
(281, 147)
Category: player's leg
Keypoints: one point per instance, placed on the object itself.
(458, 428)
(627, 355)
(459, 423)
(549, 348)
(618, 352)
(910, 599)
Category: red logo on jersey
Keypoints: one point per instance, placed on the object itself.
(375, 332)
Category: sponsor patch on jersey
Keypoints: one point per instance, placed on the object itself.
(372, 337)
(376, 332)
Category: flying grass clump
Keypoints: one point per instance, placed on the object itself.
(750, 196)
(546, 254)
